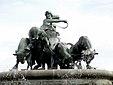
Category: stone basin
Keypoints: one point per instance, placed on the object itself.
(57, 77)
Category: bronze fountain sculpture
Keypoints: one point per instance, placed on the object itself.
(43, 46)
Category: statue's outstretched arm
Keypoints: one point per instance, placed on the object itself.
(55, 20)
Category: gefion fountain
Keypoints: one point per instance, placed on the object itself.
(54, 53)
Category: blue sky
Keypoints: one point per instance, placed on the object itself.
(93, 18)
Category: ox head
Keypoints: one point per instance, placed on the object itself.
(21, 55)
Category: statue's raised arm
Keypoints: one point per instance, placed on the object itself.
(50, 19)
(55, 20)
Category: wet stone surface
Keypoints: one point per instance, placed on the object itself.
(59, 82)
(57, 77)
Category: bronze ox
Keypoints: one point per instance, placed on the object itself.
(82, 50)
(22, 53)
(39, 51)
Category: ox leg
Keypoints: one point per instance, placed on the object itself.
(29, 65)
(38, 66)
(70, 63)
(56, 62)
(78, 64)
(49, 62)
(88, 61)
(29, 62)
(16, 66)
(62, 66)
(88, 66)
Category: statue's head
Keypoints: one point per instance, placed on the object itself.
(48, 15)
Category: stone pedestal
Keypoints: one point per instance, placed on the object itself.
(57, 77)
